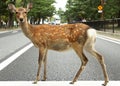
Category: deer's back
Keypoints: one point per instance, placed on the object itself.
(59, 37)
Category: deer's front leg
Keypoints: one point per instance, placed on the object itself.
(45, 66)
(79, 51)
(40, 60)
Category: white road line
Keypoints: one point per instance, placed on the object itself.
(58, 83)
(109, 39)
(13, 31)
(4, 32)
(14, 56)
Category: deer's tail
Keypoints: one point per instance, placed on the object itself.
(91, 38)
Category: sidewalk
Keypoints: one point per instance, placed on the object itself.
(109, 34)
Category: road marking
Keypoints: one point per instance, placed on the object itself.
(57, 83)
(4, 32)
(109, 39)
(15, 31)
(14, 56)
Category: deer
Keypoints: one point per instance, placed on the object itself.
(78, 37)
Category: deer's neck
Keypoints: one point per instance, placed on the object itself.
(26, 28)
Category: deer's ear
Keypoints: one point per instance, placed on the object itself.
(29, 6)
(12, 8)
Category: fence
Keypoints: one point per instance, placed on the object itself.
(105, 25)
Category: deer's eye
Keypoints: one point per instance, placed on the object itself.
(25, 12)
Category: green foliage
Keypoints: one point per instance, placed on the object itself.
(3, 12)
(75, 9)
(42, 9)
(3, 7)
(79, 9)
(60, 12)
(112, 8)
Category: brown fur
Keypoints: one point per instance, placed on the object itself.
(48, 33)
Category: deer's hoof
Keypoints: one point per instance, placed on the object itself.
(71, 82)
(105, 84)
(35, 82)
(44, 79)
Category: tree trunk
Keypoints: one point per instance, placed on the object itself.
(10, 21)
(43, 20)
(0, 22)
(39, 20)
(119, 19)
(119, 23)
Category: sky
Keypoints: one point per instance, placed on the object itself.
(60, 4)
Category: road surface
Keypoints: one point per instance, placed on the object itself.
(61, 66)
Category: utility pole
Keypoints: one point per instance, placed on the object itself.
(102, 14)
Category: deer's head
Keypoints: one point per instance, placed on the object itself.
(21, 13)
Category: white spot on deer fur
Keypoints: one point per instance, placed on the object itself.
(76, 25)
(80, 28)
(40, 38)
(75, 31)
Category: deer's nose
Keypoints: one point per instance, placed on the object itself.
(21, 19)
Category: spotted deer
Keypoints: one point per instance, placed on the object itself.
(77, 36)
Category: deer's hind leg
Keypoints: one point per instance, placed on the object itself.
(89, 46)
(102, 63)
(79, 50)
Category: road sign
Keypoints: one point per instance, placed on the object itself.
(100, 7)
(100, 11)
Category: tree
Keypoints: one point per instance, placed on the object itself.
(60, 12)
(3, 11)
(118, 13)
(111, 8)
(78, 9)
(42, 9)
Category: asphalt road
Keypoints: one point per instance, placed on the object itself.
(62, 66)
(10, 42)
